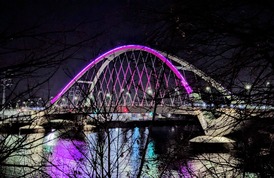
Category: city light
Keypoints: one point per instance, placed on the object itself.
(108, 95)
(248, 86)
(149, 91)
(208, 89)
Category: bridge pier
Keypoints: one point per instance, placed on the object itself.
(37, 118)
(41, 119)
(215, 129)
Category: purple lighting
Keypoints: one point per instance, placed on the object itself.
(67, 159)
(121, 49)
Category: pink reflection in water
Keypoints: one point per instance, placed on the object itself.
(67, 159)
(186, 170)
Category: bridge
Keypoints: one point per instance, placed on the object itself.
(138, 79)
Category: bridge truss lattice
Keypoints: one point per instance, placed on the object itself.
(133, 75)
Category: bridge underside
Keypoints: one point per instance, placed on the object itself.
(183, 110)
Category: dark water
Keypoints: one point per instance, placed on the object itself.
(122, 152)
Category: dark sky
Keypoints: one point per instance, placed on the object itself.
(198, 31)
(22, 24)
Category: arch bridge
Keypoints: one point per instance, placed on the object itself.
(132, 78)
(138, 79)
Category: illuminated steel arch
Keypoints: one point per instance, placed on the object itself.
(110, 55)
(187, 66)
(104, 67)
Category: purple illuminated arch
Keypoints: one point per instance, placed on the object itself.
(121, 49)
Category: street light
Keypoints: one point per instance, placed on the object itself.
(248, 86)
(18, 103)
(208, 89)
(129, 97)
(75, 99)
(248, 93)
(149, 91)
(268, 85)
(177, 91)
(64, 102)
(31, 103)
(5, 83)
(108, 95)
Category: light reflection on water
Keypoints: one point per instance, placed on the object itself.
(90, 157)
(118, 152)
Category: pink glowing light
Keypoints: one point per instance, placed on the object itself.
(66, 159)
(121, 49)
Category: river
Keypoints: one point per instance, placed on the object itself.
(122, 152)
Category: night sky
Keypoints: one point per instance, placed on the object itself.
(77, 31)
(25, 26)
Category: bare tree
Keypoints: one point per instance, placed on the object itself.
(230, 41)
(30, 57)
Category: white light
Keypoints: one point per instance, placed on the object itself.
(172, 129)
(50, 139)
(204, 105)
(149, 91)
(108, 95)
(247, 86)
